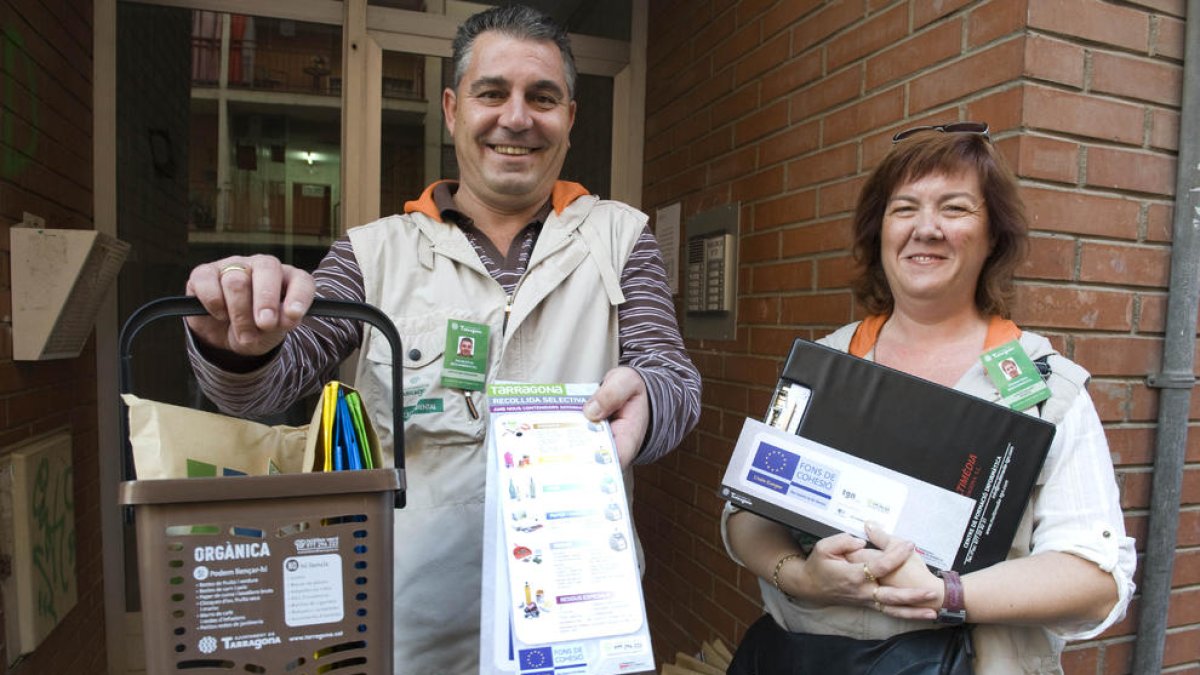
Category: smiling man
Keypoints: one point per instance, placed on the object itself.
(551, 284)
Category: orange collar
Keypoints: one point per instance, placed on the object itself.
(866, 335)
(564, 193)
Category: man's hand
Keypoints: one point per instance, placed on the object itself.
(252, 303)
(622, 400)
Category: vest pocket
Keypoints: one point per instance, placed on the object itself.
(433, 415)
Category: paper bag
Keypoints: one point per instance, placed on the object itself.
(177, 442)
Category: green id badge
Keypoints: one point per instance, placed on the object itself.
(1015, 376)
(465, 363)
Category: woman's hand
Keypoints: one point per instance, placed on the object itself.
(841, 571)
(907, 590)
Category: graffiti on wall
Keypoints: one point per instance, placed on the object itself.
(37, 493)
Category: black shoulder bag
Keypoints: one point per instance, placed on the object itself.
(768, 649)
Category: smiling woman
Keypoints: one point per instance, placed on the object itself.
(938, 231)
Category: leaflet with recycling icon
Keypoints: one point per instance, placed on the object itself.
(562, 587)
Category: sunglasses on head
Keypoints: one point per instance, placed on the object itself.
(980, 128)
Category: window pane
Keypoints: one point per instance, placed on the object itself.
(229, 144)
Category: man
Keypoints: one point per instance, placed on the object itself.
(568, 288)
(466, 347)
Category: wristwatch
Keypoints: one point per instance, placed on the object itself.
(953, 610)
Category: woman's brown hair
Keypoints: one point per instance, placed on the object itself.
(931, 153)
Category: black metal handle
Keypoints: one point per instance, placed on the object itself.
(181, 306)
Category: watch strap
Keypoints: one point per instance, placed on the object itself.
(954, 608)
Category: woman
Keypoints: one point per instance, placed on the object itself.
(939, 230)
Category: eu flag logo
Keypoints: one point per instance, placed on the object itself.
(542, 657)
(775, 461)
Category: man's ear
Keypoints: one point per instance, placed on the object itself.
(450, 108)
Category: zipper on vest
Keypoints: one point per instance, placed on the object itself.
(507, 311)
(474, 412)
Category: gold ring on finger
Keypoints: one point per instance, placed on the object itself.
(867, 573)
(232, 267)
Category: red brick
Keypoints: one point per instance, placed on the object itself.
(1112, 356)
(747, 10)
(978, 71)
(1065, 308)
(1001, 110)
(742, 42)
(1180, 647)
(754, 248)
(1159, 222)
(915, 54)
(833, 235)
(1092, 20)
(822, 166)
(785, 210)
(1164, 129)
(736, 105)
(762, 59)
(1082, 115)
(1143, 403)
(826, 93)
(786, 276)
(995, 19)
(1081, 213)
(714, 32)
(817, 308)
(928, 11)
(1111, 399)
(761, 123)
(1140, 78)
(840, 197)
(1186, 571)
(786, 14)
(1128, 265)
(757, 186)
(1130, 170)
(796, 140)
(831, 18)
(1130, 446)
(1081, 659)
(709, 90)
(836, 272)
(1050, 257)
(1049, 159)
(1172, 7)
(1054, 60)
(771, 341)
(868, 114)
(756, 310)
(1170, 38)
(732, 166)
(1153, 315)
(874, 34)
(717, 143)
(791, 75)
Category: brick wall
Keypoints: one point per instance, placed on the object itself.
(784, 106)
(46, 169)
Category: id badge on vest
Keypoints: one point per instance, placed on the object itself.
(1015, 376)
(464, 365)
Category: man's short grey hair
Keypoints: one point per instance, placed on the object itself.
(515, 21)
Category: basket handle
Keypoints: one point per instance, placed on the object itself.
(179, 306)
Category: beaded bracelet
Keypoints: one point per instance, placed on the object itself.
(779, 566)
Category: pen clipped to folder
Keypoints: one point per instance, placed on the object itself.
(345, 440)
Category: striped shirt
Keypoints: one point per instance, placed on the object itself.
(648, 335)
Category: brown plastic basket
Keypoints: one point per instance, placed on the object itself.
(288, 573)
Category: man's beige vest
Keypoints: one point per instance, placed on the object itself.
(560, 325)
